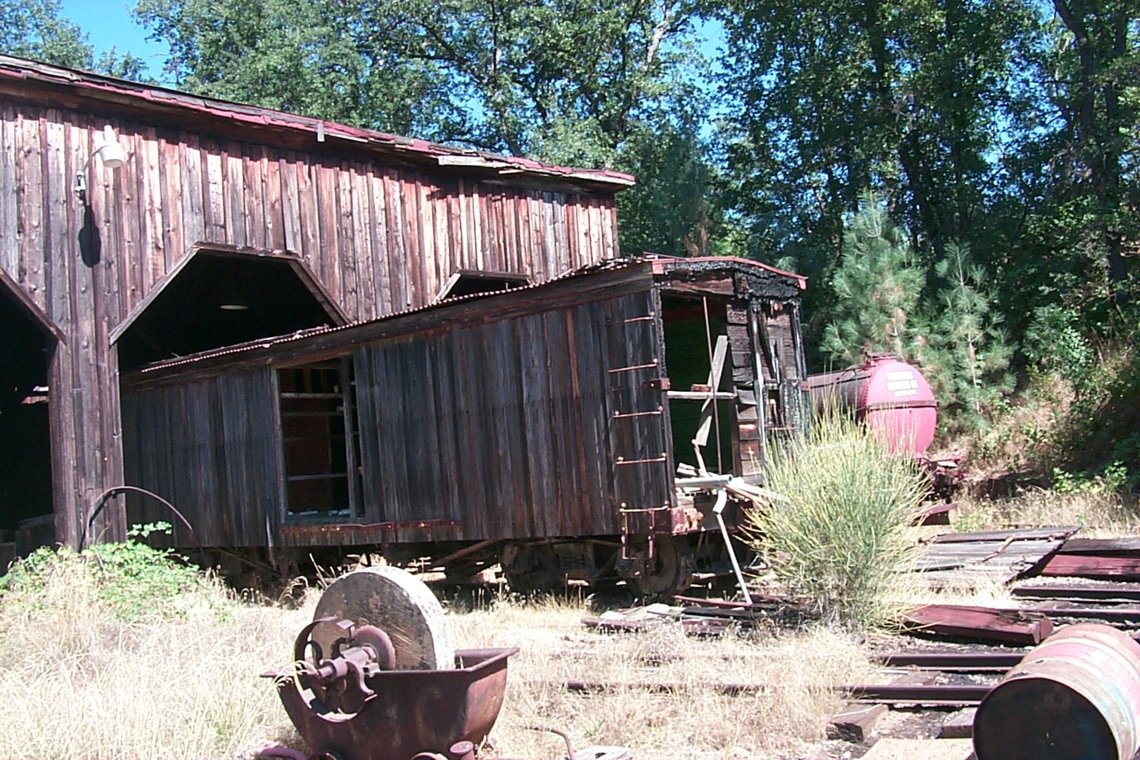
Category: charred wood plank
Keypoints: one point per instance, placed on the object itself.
(1107, 547)
(1129, 591)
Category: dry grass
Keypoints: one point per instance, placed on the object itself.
(692, 721)
(78, 684)
(1098, 513)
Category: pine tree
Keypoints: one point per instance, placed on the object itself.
(965, 353)
(877, 286)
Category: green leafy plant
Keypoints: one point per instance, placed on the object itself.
(838, 534)
(1113, 478)
(132, 580)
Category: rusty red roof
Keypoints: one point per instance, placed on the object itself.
(99, 86)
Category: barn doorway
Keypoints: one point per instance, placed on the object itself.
(26, 515)
(221, 297)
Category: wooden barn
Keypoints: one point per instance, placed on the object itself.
(138, 224)
(540, 428)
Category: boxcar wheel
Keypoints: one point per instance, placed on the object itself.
(671, 569)
(531, 568)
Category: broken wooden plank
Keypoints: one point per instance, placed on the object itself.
(1017, 534)
(960, 725)
(1092, 566)
(1102, 546)
(855, 722)
(980, 623)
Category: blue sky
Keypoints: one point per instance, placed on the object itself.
(108, 23)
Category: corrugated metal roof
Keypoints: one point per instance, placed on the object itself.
(97, 85)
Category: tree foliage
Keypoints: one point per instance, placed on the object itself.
(34, 29)
(1002, 137)
(877, 286)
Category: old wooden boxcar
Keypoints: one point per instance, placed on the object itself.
(540, 427)
(139, 223)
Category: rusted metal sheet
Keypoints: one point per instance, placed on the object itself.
(1093, 566)
(980, 623)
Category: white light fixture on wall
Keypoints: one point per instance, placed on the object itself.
(110, 153)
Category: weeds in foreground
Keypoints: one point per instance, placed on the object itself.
(83, 682)
(122, 652)
(839, 535)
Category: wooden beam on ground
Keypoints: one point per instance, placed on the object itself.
(952, 661)
(1092, 566)
(1100, 591)
(960, 725)
(855, 722)
(1102, 546)
(980, 624)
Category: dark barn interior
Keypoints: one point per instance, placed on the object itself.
(25, 447)
(221, 298)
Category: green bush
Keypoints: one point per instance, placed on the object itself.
(130, 579)
(838, 535)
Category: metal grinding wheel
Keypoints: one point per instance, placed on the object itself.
(396, 602)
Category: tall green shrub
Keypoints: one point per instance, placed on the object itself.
(838, 534)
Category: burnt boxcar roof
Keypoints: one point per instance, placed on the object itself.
(595, 282)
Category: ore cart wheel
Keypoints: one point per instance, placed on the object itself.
(396, 602)
(671, 569)
(531, 568)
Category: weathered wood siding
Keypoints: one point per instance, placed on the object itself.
(212, 449)
(503, 427)
(496, 428)
(380, 238)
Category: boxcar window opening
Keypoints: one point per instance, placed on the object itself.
(466, 282)
(690, 341)
(318, 441)
(25, 441)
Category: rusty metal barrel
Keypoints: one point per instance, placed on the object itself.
(1076, 695)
